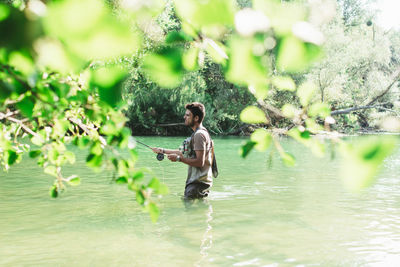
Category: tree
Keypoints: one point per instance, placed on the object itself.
(356, 70)
(62, 77)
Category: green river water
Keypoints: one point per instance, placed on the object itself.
(255, 215)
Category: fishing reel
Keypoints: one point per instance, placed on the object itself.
(160, 156)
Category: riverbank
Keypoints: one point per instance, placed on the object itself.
(246, 130)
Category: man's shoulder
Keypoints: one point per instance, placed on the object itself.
(202, 133)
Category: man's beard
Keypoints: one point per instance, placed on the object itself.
(190, 123)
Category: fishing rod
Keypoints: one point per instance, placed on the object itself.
(160, 156)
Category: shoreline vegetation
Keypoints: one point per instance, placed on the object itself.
(93, 81)
(247, 130)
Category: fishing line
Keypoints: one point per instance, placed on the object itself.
(160, 157)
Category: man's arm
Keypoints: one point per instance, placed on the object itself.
(196, 162)
(166, 151)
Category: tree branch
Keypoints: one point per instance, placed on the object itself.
(275, 111)
(349, 110)
(15, 76)
(395, 79)
(170, 124)
(8, 115)
(87, 129)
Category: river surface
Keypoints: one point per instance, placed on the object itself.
(257, 214)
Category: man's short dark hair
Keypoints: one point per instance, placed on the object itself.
(197, 109)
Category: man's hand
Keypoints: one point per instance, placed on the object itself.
(172, 157)
(157, 150)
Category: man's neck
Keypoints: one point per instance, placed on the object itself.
(196, 126)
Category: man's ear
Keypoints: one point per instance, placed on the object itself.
(196, 118)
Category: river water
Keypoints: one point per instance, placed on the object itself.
(257, 214)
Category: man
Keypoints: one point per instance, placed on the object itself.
(197, 153)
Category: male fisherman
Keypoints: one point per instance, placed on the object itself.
(197, 153)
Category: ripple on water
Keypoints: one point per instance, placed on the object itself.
(255, 215)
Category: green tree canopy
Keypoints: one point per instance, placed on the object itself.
(63, 71)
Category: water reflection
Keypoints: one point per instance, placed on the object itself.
(202, 206)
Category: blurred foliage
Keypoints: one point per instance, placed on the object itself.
(61, 84)
(73, 77)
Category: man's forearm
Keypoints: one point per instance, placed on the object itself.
(166, 151)
(193, 162)
(172, 151)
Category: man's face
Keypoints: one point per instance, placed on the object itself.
(188, 117)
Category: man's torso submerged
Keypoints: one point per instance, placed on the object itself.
(200, 140)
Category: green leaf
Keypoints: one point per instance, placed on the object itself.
(4, 12)
(37, 140)
(305, 134)
(206, 15)
(109, 82)
(94, 160)
(319, 109)
(11, 157)
(288, 159)
(282, 15)
(51, 170)
(41, 161)
(306, 92)
(246, 148)
(51, 54)
(300, 136)
(244, 68)
(284, 83)
(260, 91)
(217, 51)
(289, 111)
(121, 180)
(138, 175)
(313, 127)
(61, 89)
(263, 139)
(154, 212)
(363, 160)
(74, 180)
(189, 59)
(5, 89)
(253, 114)
(97, 34)
(291, 55)
(189, 29)
(304, 137)
(34, 153)
(134, 154)
(177, 37)
(158, 187)
(26, 106)
(21, 62)
(165, 67)
(123, 168)
(107, 77)
(109, 128)
(132, 186)
(60, 127)
(70, 156)
(140, 197)
(82, 141)
(96, 149)
(53, 155)
(53, 191)
(126, 137)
